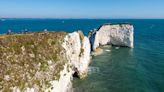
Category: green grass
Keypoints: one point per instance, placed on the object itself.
(24, 58)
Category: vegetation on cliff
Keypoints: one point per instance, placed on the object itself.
(30, 60)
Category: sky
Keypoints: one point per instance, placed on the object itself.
(82, 9)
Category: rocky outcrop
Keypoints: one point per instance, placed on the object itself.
(42, 62)
(113, 34)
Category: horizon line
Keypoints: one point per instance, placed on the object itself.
(75, 18)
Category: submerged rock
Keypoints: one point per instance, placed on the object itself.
(112, 34)
(97, 52)
(42, 62)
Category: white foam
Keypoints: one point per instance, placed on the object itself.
(117, 47)
(108, 50)
(92, 70)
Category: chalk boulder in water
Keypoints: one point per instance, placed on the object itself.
(97, 52)
(112, 34)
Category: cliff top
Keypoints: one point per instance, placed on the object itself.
(120, 24)
(31, 59)
(117, 24)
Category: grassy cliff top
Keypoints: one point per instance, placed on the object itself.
(30, 60)
(120, 24)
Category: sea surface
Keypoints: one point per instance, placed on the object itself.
(118, 69)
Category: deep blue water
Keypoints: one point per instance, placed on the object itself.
(140, 69)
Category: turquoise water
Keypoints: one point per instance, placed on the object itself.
(140, 69)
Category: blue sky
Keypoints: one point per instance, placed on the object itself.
(82, 8)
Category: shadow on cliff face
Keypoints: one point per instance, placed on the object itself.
(76, 73)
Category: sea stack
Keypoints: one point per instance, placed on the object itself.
(112, 34)
(42, 62)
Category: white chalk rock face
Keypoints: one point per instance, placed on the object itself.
(77, 49)
(84, 58)
(64, 83)
(77, 52)
(114, 34)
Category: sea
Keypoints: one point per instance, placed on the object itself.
(117, 69)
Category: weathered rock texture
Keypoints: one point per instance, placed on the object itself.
(42, 62)
(113, 34)
(78, 52)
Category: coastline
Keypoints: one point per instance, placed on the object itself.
(73, 49)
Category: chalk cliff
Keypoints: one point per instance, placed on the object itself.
(77, 48)
(42, 62)
(113, 34)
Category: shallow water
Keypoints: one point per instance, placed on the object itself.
(140, 69)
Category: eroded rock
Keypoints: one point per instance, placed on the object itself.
(112, 34)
